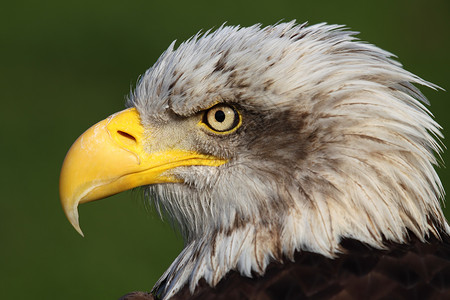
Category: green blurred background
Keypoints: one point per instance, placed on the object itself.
(64, 65)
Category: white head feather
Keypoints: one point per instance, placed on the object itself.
(344, 148)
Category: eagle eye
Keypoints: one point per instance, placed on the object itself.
(222, 118)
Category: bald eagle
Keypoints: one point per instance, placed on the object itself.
(296, 161)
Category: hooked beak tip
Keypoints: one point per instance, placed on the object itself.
(72, 215)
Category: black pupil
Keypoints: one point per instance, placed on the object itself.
(220, 116)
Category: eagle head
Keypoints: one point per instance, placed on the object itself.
(261, 142)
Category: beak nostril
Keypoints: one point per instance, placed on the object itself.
(127, 136)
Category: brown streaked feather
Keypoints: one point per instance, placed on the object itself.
(405, 271)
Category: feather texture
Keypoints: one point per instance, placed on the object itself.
(336, 143)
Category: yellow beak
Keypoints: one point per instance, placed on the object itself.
(110, 158)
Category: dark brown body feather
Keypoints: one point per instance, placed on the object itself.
(405, 271)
